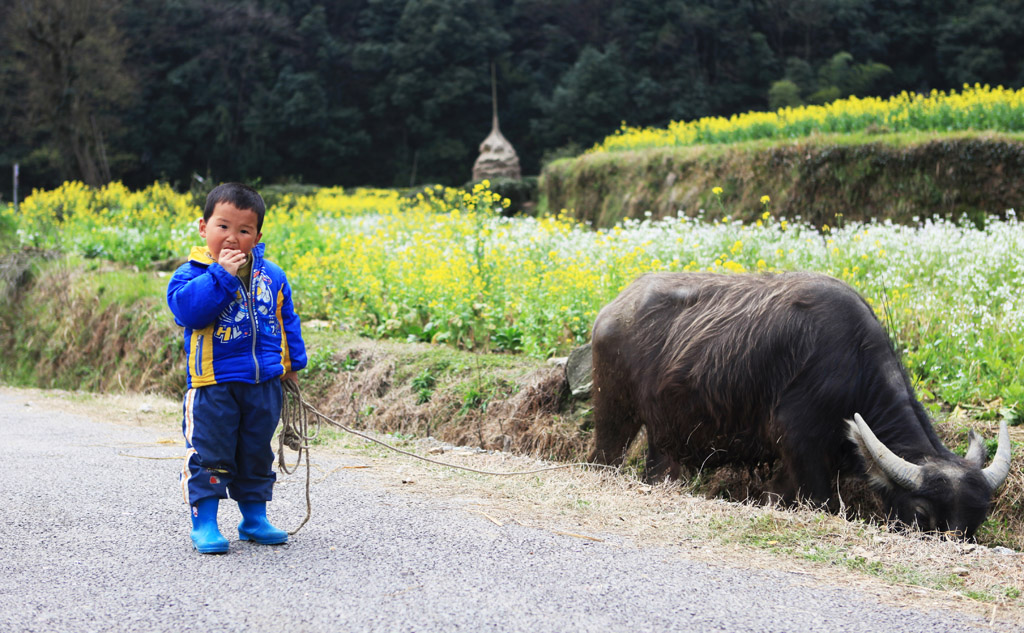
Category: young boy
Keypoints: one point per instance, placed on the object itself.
(242, 338)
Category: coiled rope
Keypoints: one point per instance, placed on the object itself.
(295, 434)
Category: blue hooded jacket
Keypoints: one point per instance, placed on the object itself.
(232, 334)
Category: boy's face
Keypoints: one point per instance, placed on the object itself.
(230, 229)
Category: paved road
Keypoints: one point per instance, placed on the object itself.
(94, 541)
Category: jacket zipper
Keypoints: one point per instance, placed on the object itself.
(251, 305)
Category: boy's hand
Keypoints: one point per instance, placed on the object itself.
(231, 260)
(291, 376)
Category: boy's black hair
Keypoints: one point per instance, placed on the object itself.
(240, 195)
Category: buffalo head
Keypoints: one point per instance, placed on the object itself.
(939, 495)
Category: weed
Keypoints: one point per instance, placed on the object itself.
(425, 380)
(472, 398)
(322, 360)
(508, 339)
(1013, 414)
(423, 385)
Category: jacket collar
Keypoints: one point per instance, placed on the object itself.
(200, 255)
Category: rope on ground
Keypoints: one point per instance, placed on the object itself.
(295, 420)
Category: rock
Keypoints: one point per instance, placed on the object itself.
(578, 371)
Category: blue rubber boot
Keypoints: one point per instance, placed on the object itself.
(255, 526)
(206, 538)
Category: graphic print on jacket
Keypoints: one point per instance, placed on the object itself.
(234, 321)
(264, 302)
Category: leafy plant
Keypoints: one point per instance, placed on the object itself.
(322, 360)
(508, 339)
(423, 385)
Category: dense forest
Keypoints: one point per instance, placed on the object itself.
(397, 92)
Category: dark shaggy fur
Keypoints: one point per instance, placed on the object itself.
(758, 368)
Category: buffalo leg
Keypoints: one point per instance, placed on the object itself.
(615, 425)
(804, 471)
(660, 466)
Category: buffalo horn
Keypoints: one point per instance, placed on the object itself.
(976, 452)
(899, 470)
(997, 471)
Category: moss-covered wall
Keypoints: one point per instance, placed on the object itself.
(815, 179)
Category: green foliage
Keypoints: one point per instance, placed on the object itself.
(784, 94)
(99, 330)
(592, 94)
(66, 61)
(423, 385)
(322, 360)
(8, 232)
(508, 339)
(479, 390)
(522, 193)
(349, 363)
(1013, 414)
(384, 93)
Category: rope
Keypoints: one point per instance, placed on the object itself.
(295, 434)
(295, 420)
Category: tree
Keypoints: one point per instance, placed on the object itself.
(393, 92)
(784, 94)
(841, 77)
(69, 64)
(983, 44)
(589, 102)
(431, 98)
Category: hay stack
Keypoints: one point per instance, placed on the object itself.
(498, 159)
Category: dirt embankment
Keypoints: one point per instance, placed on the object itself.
(814, 179)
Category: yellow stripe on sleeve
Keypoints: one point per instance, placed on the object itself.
(286, 358)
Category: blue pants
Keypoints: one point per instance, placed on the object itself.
(227, 430)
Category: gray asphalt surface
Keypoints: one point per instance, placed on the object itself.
(94, 541)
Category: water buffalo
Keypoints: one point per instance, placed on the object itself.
(792, 369)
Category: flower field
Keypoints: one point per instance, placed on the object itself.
(974, 108)
(444, 266)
